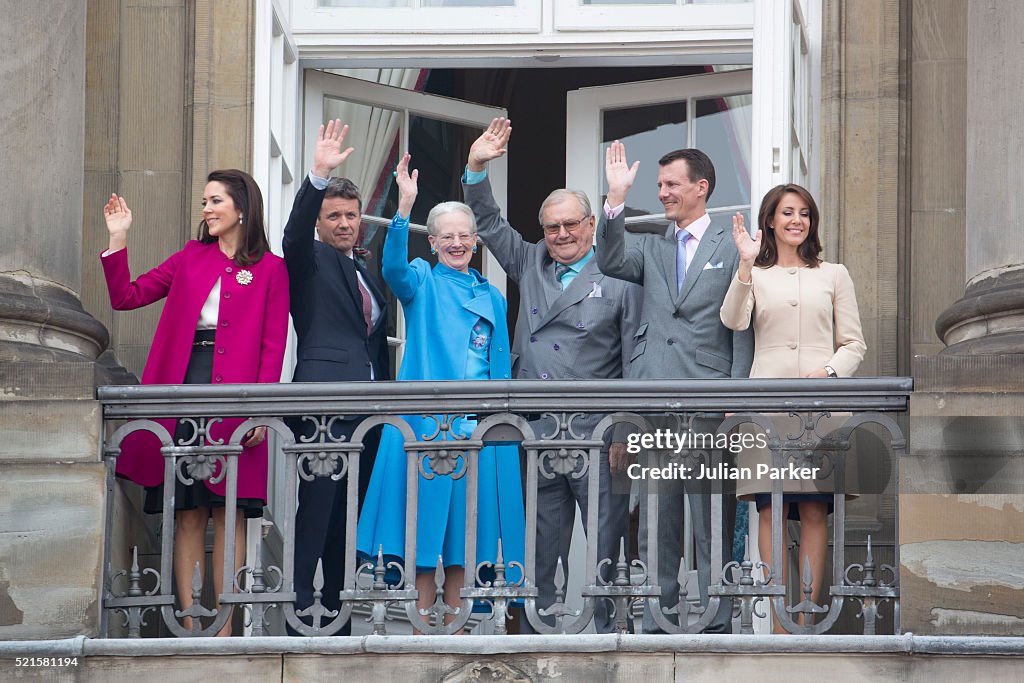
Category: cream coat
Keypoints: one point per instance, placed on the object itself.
(804, 319)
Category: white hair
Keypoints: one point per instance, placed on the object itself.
(449, 207)
(560, 195)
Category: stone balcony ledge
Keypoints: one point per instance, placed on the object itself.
(566, 658)
(907, 644)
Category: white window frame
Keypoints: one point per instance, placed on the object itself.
(275, 165)
(787, 51)
(584, 158)
(573, 15)
(275, 154)
(525, 16)
(551, 33)
(319, 84)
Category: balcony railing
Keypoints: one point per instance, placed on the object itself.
(504, 411)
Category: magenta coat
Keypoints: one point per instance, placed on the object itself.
(252, 330)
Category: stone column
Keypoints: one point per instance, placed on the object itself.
(861, 148)
(962, 486)
(52, 488)
(989, 319)
(42, 78)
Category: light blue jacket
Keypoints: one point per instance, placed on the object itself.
(441, 306)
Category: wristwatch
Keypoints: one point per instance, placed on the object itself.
(831, 371)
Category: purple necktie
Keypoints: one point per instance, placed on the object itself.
(367, 306)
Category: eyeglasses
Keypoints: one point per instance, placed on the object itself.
(570, 226)
(463, 238)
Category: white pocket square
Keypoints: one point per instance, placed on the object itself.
(710, 266)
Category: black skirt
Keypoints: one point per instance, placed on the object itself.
(763, 500)
(197, 495)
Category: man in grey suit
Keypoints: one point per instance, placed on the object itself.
(574, 323)
(685, 274)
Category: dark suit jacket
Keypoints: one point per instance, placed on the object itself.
(326, 306)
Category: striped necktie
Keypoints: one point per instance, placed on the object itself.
(560, 270)
(367, 305)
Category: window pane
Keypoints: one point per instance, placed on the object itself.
(648, 132)
(468, 3)
(663, 2)
(628, 2)
(370, 167)
(375, 155)
(723, 129)
(439, 150)
(423, 3)
(364, 3)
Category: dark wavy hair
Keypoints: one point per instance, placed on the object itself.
(811, 247)
(248, 199)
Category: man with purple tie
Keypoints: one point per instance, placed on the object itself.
(338, 309)
(685, 273)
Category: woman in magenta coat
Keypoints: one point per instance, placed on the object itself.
(225, 321)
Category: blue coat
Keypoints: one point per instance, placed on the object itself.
(441, 307)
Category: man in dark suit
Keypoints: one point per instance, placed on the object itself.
(685, 273)
(338, 309)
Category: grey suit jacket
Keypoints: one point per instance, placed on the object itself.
(584, 332)
(681, 334)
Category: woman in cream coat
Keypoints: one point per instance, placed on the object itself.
(806, 324)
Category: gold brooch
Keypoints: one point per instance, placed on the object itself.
(243, 277)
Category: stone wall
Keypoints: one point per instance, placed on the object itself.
(862, 153)
(567, 659)
(51, 479)
(168, 99)
(962, 498)
(144, 97)
(938, 211)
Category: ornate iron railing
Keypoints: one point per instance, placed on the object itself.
(504, 410)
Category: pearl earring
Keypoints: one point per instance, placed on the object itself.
(241, 218)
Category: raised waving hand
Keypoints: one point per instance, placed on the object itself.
(747, 246)
(619, 174)
(407, 186)
(328, 154)
(491, 144)
(119, 221)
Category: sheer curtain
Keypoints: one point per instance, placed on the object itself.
(741, 126)
(373, 132)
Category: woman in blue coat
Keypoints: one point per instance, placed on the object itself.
(456, 330)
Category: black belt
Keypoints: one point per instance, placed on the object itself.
(204, 338)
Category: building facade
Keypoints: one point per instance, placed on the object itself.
(896, 113)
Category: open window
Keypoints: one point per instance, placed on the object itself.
(387, 117)
(710, 111)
